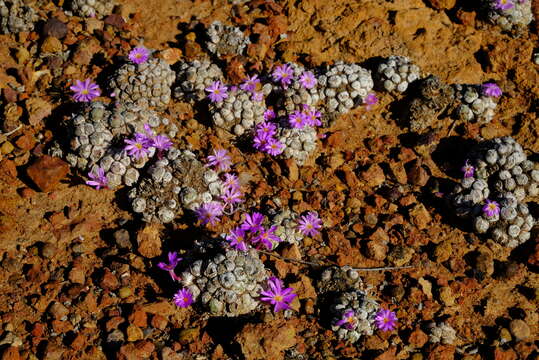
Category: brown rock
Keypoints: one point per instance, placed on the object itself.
(149, 241)
(12, 114)
(420, 216)
(56, 28)
(466, 18)
(53, 351)
(171, 55)
(304, 288)
(417, 175)
(58, 310)
(442, 352)
(447, 296)
(109, 281)
(443, 251)
(400, 255)
(134, 333)
(139, 318)
(442, 4)
(399, 172)
(500, 354)
(159, 322)
(25, 142)
(374, 176)
(519, 329)
(418, 338)
(266, 341)
(51, 45)
(115, 20)
(77, 275)
(47, 172)
(485, 263)
(78, 342)
(11, 353)
(376, 249)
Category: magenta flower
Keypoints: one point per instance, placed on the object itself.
(371, 100)
(231, 182)
(260, 141)
(210, 212)
(277, 296)
(253, 223)
(173, 261)
(218, 91)
(385, 320)
(139, 55)
(267, 238)
(257, 96)
(183, 298)
(138, 147)
(232, 196)
(269, 115)
(237, 239)
(348, 320)
(161, 143)
(468, 170)
(99, 180)
(297, 119)
(491, 89)
(503, 4)
(310, 224)
(491, 208)
(220, 160)
(274, 147)
(307, 80)
(266, 129)
(311, 116)
(85, 91)
(283, 74)
(250, 83)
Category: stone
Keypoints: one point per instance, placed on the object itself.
(171, 55)
(54, 27)
(51, 45)
(121, 237)
(374, 176)
(11, 353)
(37, 109)
(6, 148)
(485, 263)
(420, 216)
(109, 281)
(134, 333)
(149, 241)
(58, 310)
(304, 288)
(77, 275)
(47, 172)
(417, 175)
(187, 336)
(418, 338)
(25, 142)
(442, 4)
(447, 296)
(266, 340)
(138, 318)
(159, 322)
(519, 329)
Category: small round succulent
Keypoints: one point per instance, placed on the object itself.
(194, 77)
(299, 144)
(146, 84)
(475, 103)
(396, 73)
(339, 279)
(509, 14)
(442, 333)
(16, 16)
(228, 284)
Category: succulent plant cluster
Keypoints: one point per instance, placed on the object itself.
(92, 8)
(509, 14)
(497, 181)
(195, 76)
(225, 39)
(16, 16)
(474, 105)
(396, 73)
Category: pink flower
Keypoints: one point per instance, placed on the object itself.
(183, 298)
(257, 96)
(503, 4)
(267, 238)
(237, 238)
(274, 147)
(277, 296)
(85, 91)
(297, 119)
(218, 91)
(386, 320)
(269, 115)
(307, 80)
(220, 160)
(232, 196)
(99, 180)
(491, 208)
(370, 100)
(231, 182)
(260, 141)
(139, 55)
(311, 116)
(491, 89)
(161, 143)
(283, 74)
(210, 212)
(348, 320)
(253, 223)
(173, 261)
(310, 224)
(250, 83)
(266, 129)
(468, 170)
(137, 147)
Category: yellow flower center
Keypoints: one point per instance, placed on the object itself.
(84, 92)
(278, 298)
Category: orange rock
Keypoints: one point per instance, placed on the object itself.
(418, 338)
(149, 241)
(11, 353)
(266, 341)
(47, 172)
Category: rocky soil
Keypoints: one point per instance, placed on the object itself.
(78, 274)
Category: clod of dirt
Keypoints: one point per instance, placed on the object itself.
(47, 172)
